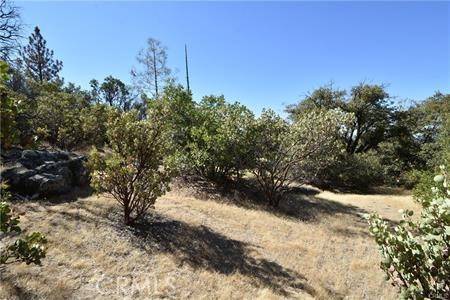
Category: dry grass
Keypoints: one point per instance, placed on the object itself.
(192, 248)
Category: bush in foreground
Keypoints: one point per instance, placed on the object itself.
(135, 170)
(416, 254)
(30, 249)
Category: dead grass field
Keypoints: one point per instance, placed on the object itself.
(198, 248)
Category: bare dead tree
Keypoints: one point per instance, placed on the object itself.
(153, 70)
(10, 29)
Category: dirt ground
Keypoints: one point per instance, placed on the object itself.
(200, 247)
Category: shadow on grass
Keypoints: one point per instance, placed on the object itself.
(14, 289)
(371, 190)
(309, 208)
(201, 247)
(300, 202)
(77, 193)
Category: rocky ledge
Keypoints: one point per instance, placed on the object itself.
(43, 173)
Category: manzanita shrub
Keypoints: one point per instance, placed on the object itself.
(286, 153)
(220, 145)
(137, 167)
(416, 253)
(30, 249)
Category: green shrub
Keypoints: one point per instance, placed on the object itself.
(8, 111)
(424, 183)
(416, 253)
(181, 116)
(65, 120)
(412, 177)
(94, 121)
(220, 143)
(30, 249)
(58, 119)
(135, 169)
(356, 171)
(285, 153)
(364, 170)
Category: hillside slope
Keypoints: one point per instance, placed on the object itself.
(202, 249)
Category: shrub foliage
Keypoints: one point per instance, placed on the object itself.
(29, 249)
(416, 253)
(220, 139)
(135, 169)
(284, 152)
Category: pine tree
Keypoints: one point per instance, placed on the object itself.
(38, 59)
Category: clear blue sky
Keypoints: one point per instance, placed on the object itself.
(261, 54)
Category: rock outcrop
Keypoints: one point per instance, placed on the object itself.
(44, 173)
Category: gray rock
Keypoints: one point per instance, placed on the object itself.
(79, 171)
(34, 158)
(54, 185)
(46, 173)
(16, 175)
(31, 185)
(12, 154)
(31, 158)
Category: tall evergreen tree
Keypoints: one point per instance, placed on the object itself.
(38, 59)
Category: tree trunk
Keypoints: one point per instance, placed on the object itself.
(275, 201)
(156, 73)
(272, 197)
(127, 215)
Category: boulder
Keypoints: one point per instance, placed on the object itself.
(41, 172)
(34, 158)
(16, 175)
(51, 184)
(80, 174)
(12, 154)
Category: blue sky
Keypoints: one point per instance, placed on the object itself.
(261, 54)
